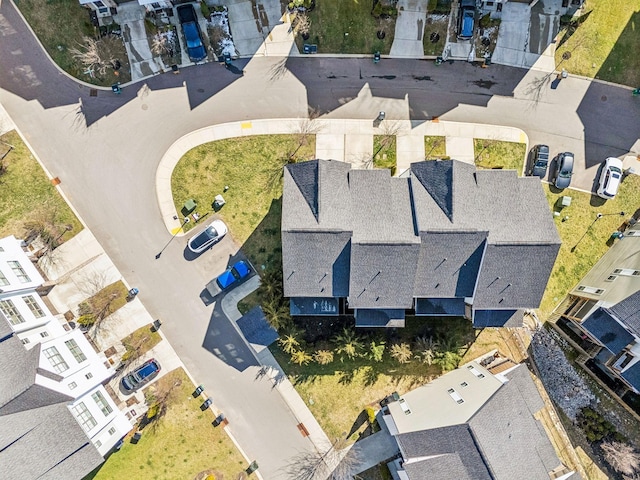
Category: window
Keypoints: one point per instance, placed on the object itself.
(464, 384)
(19, 271)
(98, 443)
(72, 385)
(10, 311)
(44, 334)
(3, 279)
(102, 403)
(98, 4)
(75, 350)
(87, 422)
(56, 360)
(25, 341)
(33, 306)
(88, 375)
(112, 430)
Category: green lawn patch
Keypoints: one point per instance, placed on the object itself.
(248, 302)
(435, 147)
(384, 152)
(435, 34)
(61, 25)
(570, 266)
(606, 42)
(337, 393)
(102, 304)
(140, 342)
(181, 444)
(252, 169)
(347, 26)
(496, 154)
(28, 197)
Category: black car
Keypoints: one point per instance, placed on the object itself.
(539, 161)
(564, 170)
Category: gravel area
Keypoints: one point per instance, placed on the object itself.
(561, 380)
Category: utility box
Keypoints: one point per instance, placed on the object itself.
(218, 202)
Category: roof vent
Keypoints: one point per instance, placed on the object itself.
(404, 406)
(475, 371)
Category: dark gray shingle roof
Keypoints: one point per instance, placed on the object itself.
(632, 375)
(454, 449)
(316, 263)
(45, 443)
(382, 275)
(514, 275)
(607, 330)
(5, 329)
(511, 440)
(628, 312)
(449, 263)
(370, 317)
(498, 318)
(18, 366)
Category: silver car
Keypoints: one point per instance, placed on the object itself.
(208, 237)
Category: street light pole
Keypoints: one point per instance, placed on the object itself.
(186, 220)
(598, 217)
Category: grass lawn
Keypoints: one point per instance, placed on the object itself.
(435, 147)
(28, 195)
(570, 266)
(338, 392)
(435, 29)
(496, 154)
(347, 26)
(61, 25)
(142, 340)
(108, 299)
(606, 43)
(251, 167)
(182, 444)
(384, 152)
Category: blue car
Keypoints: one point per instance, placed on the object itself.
(192, 36)
(466, 19)
(141, 375)
(229, 278)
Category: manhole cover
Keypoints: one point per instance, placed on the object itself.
(486, 42)
(201, 90)
(434, 37)
(93, 92)
(566, 55)
(603, 98)
(145, 106)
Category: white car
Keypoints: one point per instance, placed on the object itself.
(610, 178)
(208, 237)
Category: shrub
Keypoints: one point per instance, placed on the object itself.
(376, 351)
(432, 5)
(594, 425)
(87, 320)
(323, 357)
(289, 343)
(371, 414)
(348, 343)
(566, 20)
(401, 352)
(204, 8)
(300, 357)
(377, 10)
(485, 21)
(447, 360)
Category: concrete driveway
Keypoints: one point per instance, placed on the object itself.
(251, 22)
(407, 41)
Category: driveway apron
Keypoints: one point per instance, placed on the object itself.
(407, 41)
(131, 19)
(251, 22)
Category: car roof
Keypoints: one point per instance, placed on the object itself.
(242, 268)
(613, 161)
(542, 148)
(148, 368)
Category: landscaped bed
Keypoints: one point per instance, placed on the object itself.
(384, 152)
(435, 34)
(29, 202)
(181, 444)
(605, 44)
(252, 169)
(435, 147)
(497, 154)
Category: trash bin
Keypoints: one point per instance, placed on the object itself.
(190, 205)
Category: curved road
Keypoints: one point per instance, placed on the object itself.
(106, 148)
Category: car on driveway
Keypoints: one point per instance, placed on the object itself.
(230, 278)
(208, 237)
(539, 161)
(466, 19)
(141, 375)
(610, 178)
(191, 30)
(564, 170)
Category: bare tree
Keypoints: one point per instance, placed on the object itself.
(622, 457)
(160, 44)
(301, 24)
(97, 55)
(157, 398)
(336, 462)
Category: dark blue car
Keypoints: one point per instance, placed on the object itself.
(466, 19)
(141, 375)
(229, 278)
(192, 36)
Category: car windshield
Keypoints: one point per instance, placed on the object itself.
(541, 162)
(209, 233)
(565, 173)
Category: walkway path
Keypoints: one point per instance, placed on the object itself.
(407, 40)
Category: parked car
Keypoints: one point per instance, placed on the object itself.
(539, 161)
(466, 19)
(231, 277)
(191, 30)
(141, 375)
(564, 170)
(610, 178)
(208, 237)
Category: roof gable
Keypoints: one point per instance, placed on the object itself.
(602, 325)
(628, 312)
(305, 176)
(437, 179)
(18, 366)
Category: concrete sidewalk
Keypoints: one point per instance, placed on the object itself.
(336, 139)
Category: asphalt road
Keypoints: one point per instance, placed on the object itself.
(105, 149)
